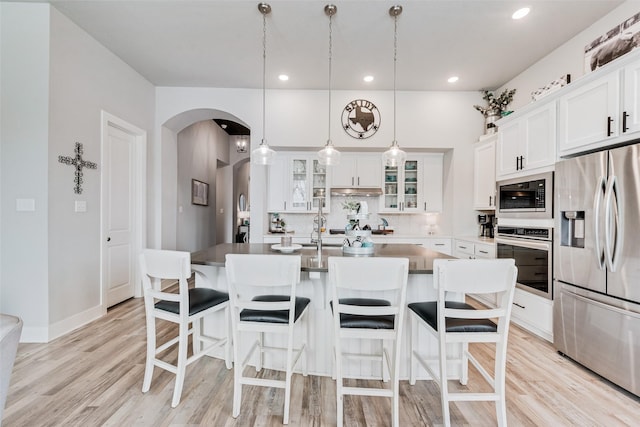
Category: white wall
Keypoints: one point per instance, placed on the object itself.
(24, 135)
(568, 58)
(436, 121)
(56, 81)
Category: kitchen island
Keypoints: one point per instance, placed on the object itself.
(314, 285)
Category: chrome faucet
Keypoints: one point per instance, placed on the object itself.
(318, 223)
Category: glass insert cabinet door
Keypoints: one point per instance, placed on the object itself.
(401, 188)
(308, 188)
(410, 185)
(299, 184)
(319, 189)
(391, 196)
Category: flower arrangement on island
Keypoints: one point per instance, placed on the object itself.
(496, 105)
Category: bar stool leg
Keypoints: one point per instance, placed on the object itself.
(413, 363)
(183, 344)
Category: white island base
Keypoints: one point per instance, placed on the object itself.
(314, 285)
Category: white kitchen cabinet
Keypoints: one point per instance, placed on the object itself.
(587, 113)
(601, 111)
(631, 99)
(534, 313)
(484, 174)
(476, 250)
(472, 250)
(527, 143)
(277, 185)
(357, 170)
(416, 186)
(297, 183)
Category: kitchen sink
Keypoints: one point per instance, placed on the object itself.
(324, 245)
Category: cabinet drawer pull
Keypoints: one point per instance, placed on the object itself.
(483, 252)
(624, 121)
(609, 121)
(438, 244)
(462, 247)
(518, 305)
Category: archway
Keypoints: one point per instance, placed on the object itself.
(180, 225)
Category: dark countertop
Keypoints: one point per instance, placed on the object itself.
(420, 259)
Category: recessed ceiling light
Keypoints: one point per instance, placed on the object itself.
(283, 77)
(368, 79)
(453, 79)
(520, 13)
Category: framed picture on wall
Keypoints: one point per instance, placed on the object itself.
(199, 193)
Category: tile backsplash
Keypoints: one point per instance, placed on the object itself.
(403, 224)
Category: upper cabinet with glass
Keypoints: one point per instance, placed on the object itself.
(304, 183)
(416, 186)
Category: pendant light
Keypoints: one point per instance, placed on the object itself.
(394, 156)
(329, 156)
(263, 155)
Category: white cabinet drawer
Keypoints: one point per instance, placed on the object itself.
(464, 249)
(440, 245)
(484, 251)
(533, 313)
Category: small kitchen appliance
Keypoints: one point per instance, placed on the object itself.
(486, 225)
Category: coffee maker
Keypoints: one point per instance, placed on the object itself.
(486, 225)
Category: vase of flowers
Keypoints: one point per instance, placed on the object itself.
(496, 107)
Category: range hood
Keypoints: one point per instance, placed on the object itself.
(356, 191)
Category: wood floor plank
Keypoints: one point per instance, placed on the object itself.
(93, 377)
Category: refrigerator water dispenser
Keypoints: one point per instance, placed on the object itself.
(572, 229)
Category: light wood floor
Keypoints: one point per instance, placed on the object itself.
(93, 377)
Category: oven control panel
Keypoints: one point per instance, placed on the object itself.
(541, 233)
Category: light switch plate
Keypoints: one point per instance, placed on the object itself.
(81, 206)
(25, 205)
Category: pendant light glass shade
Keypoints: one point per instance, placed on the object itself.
(394, 156)
(329, 156)
(263, 155)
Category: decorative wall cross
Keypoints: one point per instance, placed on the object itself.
(79, 164)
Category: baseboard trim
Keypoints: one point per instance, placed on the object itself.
(31, 334)
(74, 322)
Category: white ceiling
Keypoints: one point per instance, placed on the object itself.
(219, 43)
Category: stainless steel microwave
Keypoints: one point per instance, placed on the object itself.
(529, 197)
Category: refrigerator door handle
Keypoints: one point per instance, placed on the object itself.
(599, 193)
(613, 227)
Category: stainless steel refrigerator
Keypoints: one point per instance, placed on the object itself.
(597, 263)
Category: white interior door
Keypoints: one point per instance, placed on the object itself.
(119, 263)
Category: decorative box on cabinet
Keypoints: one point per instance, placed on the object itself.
(416, 186)
(357, 170)
(484, 174)
(601, 109)
(527, 142)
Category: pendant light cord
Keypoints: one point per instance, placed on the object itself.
(264, 74)
(395, 60)
(330, 55)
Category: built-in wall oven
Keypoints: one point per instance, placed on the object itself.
(531, 248)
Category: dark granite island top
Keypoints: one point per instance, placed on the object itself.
(420, 259)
